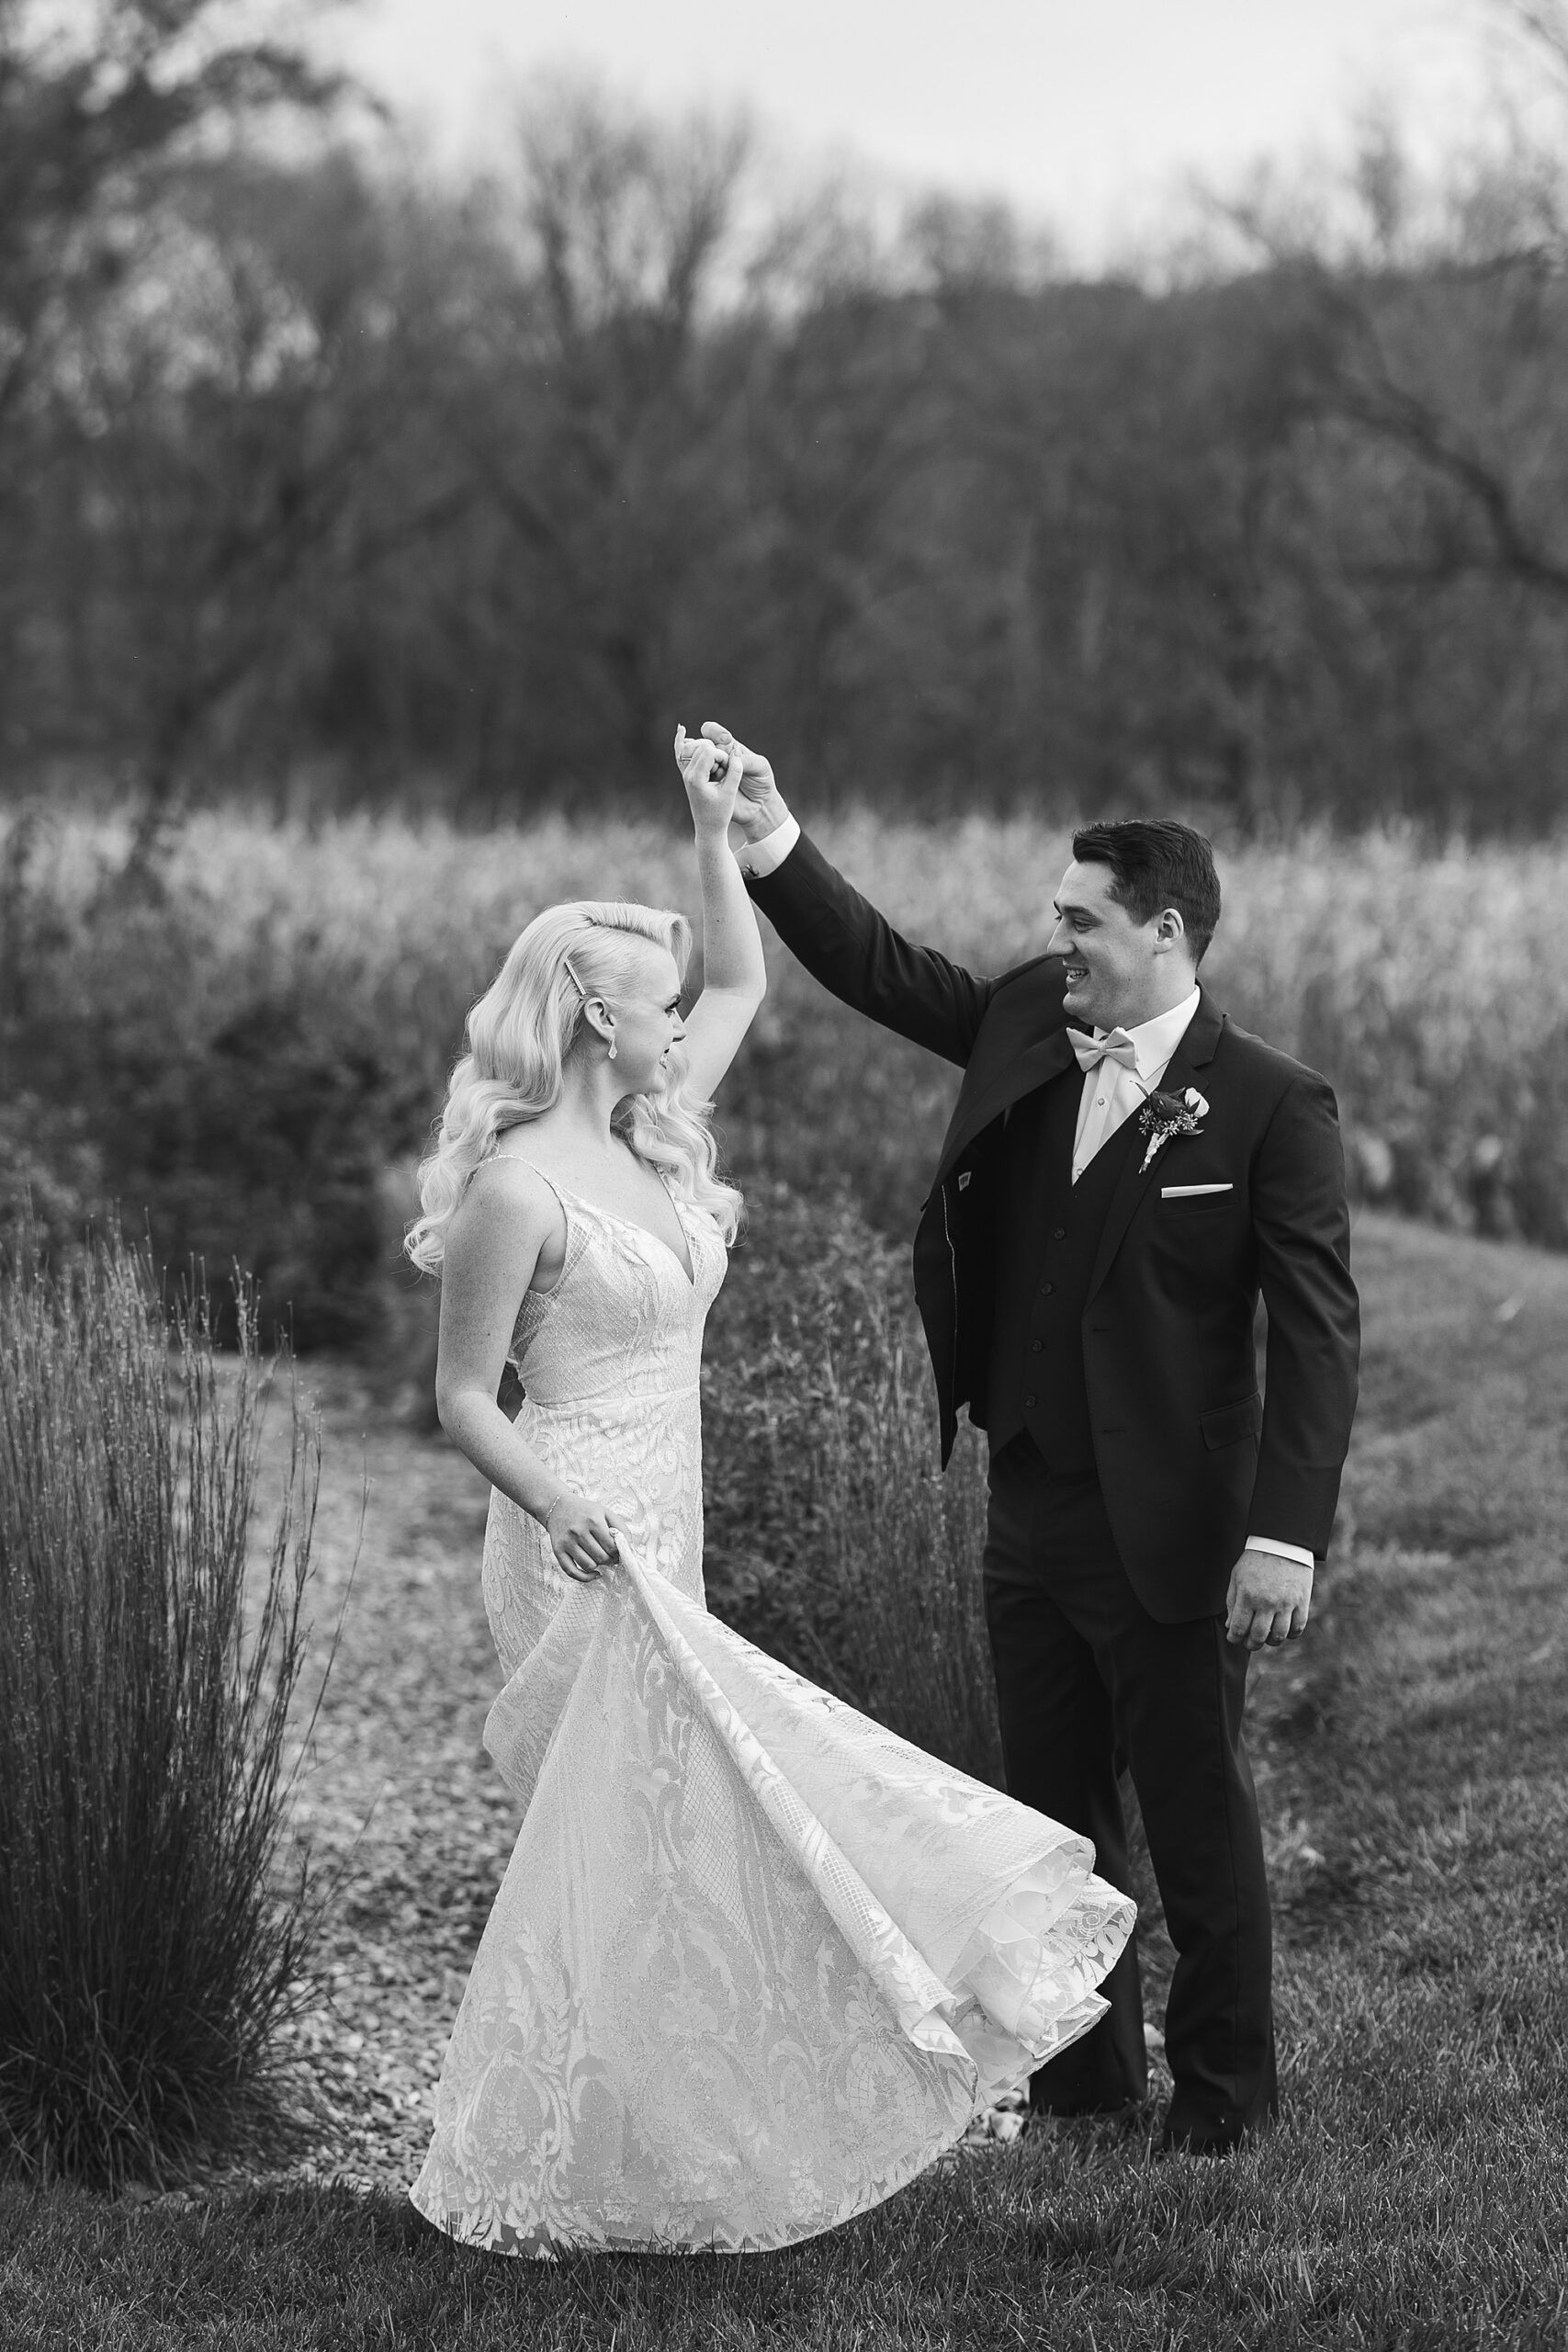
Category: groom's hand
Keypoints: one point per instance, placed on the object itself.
(759, 805)
(710, 773)
(1270, 1600)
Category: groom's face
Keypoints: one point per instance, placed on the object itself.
(1110, 960)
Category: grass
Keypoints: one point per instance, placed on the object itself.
(311, 985)
(831, 1538)
(146, 1954)
(1411, 1772)
(899, 1545)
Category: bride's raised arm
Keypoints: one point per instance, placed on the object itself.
(735, 979)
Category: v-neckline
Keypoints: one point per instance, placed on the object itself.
(688, 1274)
(631, 1224)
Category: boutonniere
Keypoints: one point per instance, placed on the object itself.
(1163, 1115)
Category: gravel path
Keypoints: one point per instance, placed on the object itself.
(398, 1794)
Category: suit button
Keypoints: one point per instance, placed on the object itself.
(1035, 1346)
(1045, 1290)
(1058, 1233)
(1028, 1401)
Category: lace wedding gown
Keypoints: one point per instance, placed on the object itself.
(755, 1961)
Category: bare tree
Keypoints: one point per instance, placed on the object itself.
(95, 114)
(597, 385)
(85, 116)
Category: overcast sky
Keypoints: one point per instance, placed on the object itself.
(1087, 116)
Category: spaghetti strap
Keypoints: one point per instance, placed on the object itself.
(561, 1199)
(564, 1193)
(516, 1157)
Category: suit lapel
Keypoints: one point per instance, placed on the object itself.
(1038, 1063)
(1196, 1049)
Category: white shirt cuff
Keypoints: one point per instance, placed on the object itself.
(1297, 1552)
(759, 859)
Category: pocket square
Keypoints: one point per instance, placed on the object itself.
(1190, 1191)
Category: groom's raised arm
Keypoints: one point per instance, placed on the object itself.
(844, 942)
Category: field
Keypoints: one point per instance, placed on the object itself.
(1413, 1778)
(247, 1042)
(261, 966)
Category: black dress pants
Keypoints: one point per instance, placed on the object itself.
(1087, 1682)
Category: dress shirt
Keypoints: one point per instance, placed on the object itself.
(759, 859)
(1110, 1093)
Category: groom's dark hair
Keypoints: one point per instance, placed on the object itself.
(1157, 862)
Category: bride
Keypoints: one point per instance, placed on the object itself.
(755, 1962)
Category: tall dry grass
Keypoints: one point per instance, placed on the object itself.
(281, 971)
(901, 1553)
(830, 1537)
(1372, 942)
(147, 1949)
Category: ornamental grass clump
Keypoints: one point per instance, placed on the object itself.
(902, 1551)
(148, 1949)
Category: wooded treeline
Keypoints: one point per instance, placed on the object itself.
(317, 478)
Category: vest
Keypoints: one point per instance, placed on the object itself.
(1048, 1245)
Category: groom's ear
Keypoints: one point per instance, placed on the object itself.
(1171, 931)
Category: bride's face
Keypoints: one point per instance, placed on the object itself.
(649, 1027)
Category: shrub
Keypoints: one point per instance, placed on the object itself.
(832, 1539)
(147, 1952)
(1536, 1173)
(793, 1329)
(52, 1174)
(214, 1081)
(903, 1553)
(260, 1144)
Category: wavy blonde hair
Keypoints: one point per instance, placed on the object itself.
(520, 1036)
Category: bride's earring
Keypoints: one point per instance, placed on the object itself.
(612, 1049)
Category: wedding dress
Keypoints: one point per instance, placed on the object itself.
(755, 1962)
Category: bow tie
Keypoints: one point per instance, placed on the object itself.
(1115, 1048)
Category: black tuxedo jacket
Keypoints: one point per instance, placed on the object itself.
(1191, 1458)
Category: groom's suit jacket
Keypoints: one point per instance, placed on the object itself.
(1190, 1459)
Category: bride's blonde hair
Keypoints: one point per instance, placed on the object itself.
(520, 1035)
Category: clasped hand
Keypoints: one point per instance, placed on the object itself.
(746, 810)
(711, 772)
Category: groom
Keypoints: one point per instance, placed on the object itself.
(1124, 1171)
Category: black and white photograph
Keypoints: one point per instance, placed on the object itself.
(784, 1176)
